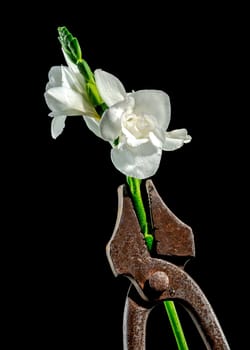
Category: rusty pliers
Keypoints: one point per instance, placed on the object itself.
(153, 277)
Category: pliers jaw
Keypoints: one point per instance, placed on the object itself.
(154, 274)
(173, 238)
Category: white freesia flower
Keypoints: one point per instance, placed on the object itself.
(135, 124)
(66, 95)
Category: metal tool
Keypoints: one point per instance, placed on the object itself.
(158, 275)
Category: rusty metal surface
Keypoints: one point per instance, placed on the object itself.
(157, 279)
(172, 236)
(135, 318)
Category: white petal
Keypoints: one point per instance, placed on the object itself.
(57, 126)
(140, 162)
(65, 101)
(172, 144)
(155, 103)
(63, 76)
(55, 77)
(74, 81)
(93, 124)
(110, 88)
(180, 134)
(134, 142)
(175, 139)
(110, 125)
(156, 141)
(72, 66)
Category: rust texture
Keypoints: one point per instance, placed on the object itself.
(172, 236)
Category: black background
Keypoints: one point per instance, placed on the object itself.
(65, 191)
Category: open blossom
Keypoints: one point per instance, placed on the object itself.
(136, 126)
(66, 95)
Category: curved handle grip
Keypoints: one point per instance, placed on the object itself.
(135, 318)
(201, 312)
(137, 310)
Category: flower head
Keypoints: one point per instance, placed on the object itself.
(66, 95)
(136, 126)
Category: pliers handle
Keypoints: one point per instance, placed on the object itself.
(156, 278)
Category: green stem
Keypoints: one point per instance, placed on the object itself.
(135, 190)
(175, 324)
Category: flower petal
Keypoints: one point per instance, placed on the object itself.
(66, 101)
(55, 77)
(139, 162)
(175, 139)
(155, 103)
(180, 134)
(63, 76)
(155, 139)
(172, 144)
(57, 125)
(110, 125)
(72, 66)
(74, 81)
(93, 124)
(110, 88)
